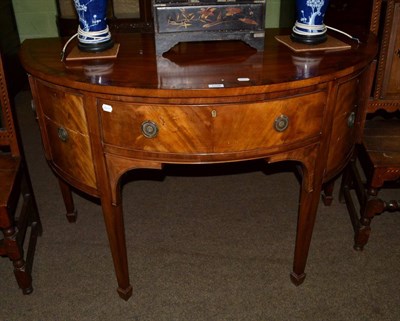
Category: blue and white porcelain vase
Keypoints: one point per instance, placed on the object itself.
(309, 27)
(93, 32)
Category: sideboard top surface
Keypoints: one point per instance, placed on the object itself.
(195, 68)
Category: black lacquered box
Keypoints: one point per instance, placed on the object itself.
(208, 20)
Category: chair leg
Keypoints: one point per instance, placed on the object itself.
(15, 253)
(30, 202)
(359, 218)
(30, 218)
(68, 201)
(372, 207)
(348, 184)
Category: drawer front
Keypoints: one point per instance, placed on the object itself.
(214, 128)
(70, 152)
(63, 107)
(268, 124)
(180, 129)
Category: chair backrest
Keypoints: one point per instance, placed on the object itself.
(8, 135)
(376, 16)
(386, 93)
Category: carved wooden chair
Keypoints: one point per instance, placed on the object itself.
(18, 209)
(377, 158)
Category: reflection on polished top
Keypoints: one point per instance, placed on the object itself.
(192, 66)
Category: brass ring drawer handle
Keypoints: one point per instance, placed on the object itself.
(351, 119)
(149, 129)
(62, 134)
(281, 123)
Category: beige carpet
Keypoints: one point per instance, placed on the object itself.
(204, 243)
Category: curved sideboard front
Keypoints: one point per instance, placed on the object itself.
(199, 103)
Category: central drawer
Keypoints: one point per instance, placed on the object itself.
(219, 128)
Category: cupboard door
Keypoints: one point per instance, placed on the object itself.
(67, 140)
(344, 126)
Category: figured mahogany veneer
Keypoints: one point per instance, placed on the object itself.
(199, 103)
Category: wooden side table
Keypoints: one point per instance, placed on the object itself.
(199, 103)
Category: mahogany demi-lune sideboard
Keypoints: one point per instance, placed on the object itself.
(200, 103)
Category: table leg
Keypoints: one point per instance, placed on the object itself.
(327, 195)
(307, 212)
(114, 221)
(68, 201)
